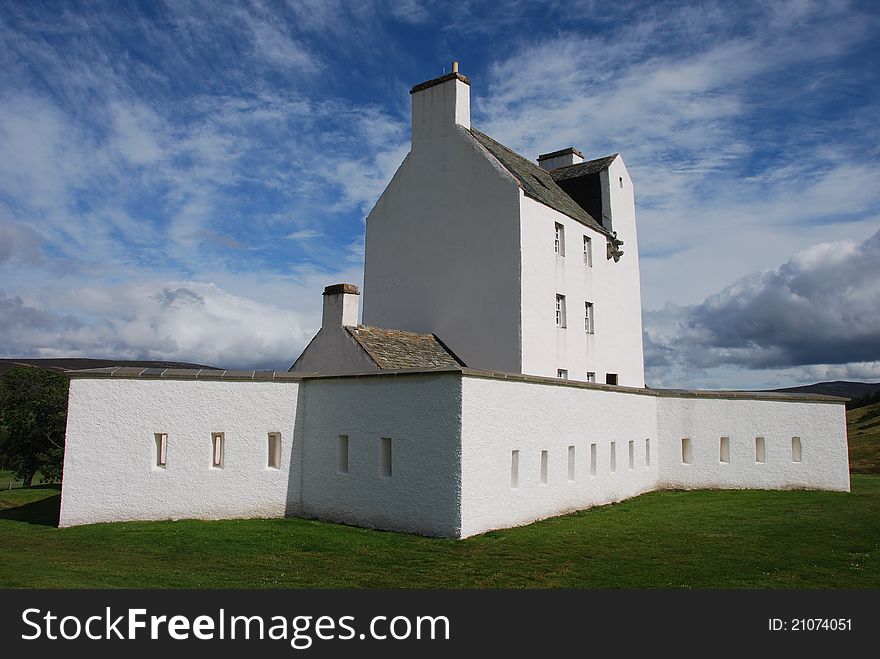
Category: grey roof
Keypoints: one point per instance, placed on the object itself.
(583, 168)
(536, 182)
(392, 349)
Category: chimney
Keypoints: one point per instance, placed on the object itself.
(561, 158)
(340, 306)
(439, 105)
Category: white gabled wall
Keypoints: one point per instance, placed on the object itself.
(333, 351)
(110, 472)
(821, 428)
(442, 242)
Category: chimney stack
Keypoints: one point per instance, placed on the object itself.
(340, 306)
(561, 158)
(439, 105)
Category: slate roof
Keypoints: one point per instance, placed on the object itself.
(392, 349)
(536, 182)
(582, 168)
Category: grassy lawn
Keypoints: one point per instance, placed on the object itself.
(698, 539)
(8, 480)
(863, 432)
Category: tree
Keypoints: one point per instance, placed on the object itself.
(33, 408)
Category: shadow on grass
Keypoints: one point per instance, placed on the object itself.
(43, 512)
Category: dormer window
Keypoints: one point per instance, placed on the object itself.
(559, 245)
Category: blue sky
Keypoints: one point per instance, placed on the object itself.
(179, 180)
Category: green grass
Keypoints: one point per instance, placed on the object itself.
(697, 539)
(863, 433)
(8, 480)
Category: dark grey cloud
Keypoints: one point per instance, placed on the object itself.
(820, 307)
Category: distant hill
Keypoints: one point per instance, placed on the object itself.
(75, 363)
(836, 388)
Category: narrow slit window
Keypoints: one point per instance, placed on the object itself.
(514, 468)
(613, 457)
(620, 178)
(588, 317)
(724, 450)
(218, 440)
(342, 454)
(559, 243)
(274, 461)
(593, 451)
(385, 457)
(161, 449)
(571, 463)
(795, 449)
(687, 456)
(632, 454)
(647, 452)
(543, 467)
(760, 450)
(588, 252)
(560, 311)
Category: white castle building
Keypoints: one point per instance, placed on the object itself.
(497, 378)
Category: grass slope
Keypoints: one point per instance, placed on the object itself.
(698, 539)
(863, 433)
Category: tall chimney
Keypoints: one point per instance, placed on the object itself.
(439, 105)
(340, 306)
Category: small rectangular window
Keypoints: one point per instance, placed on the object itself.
(218, 439)
(687, 456)
(795, 449)
(588, 252)
(543, 467)
(591, 376)
(592, 459)
(514, 469)
(385, 457)
(560, 311)
(724, 450)
(588, 317)
(562, 374)
(760, 450)
(647, 452)
(571, 463)
(611, 378)
(161, 449)
(621, 181)
(342, 454)
(559, 245)
(274, 461)
(632, 455)
(613, 457)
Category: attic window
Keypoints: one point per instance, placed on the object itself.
(559, 244)
(621, 181)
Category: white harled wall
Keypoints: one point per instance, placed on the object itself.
(110, 471)
(820, 427)
(452, 435)
(499, 417)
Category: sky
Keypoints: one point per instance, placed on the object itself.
(179, 180)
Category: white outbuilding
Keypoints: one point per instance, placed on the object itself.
(497, 376)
